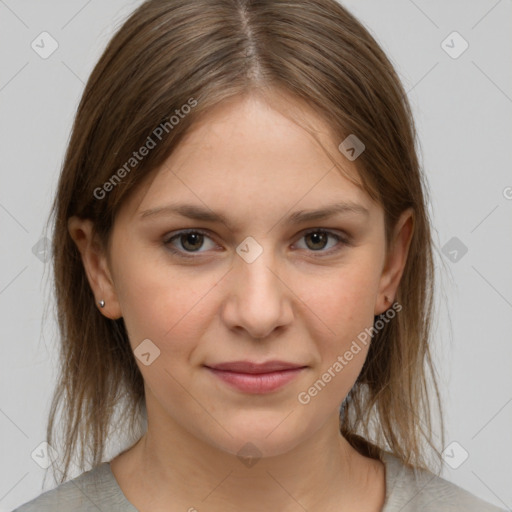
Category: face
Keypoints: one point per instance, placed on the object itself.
(262, 284)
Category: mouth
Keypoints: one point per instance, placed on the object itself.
(256, 378)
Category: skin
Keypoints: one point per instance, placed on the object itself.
(291, 303)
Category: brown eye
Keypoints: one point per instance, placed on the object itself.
(191, 241)
(317, 240)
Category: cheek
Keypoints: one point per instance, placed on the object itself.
(342, 306)
(163, 303)
(344, 300)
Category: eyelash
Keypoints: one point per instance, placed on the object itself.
(343, 241)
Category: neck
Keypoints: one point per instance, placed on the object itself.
(170, 465)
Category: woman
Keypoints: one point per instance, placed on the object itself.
(241, 246)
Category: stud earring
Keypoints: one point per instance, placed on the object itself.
(101, 303)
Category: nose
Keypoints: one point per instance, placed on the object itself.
(258, 299)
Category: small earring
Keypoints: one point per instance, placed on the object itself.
(386, 298)
(101, 303)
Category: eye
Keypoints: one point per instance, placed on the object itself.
(317, 240)
(190, 241)
(187, 242)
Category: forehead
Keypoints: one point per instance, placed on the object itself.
(249, 157)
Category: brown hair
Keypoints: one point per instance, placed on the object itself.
(172, 53)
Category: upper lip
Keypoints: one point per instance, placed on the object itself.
(252, 367)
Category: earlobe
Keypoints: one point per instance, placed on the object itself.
(95, 264)
(395, 261)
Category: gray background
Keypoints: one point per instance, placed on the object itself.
(463, 110)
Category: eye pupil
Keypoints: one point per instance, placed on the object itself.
(318, 237)
(193, 237)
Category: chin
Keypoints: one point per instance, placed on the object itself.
(259, 438)
(251, 448)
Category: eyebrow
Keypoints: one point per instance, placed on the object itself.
(200, 213)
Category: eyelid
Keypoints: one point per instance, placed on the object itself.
(343, 238)
(342, 235)
(176, 234)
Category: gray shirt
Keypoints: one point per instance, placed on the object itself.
(406, 491)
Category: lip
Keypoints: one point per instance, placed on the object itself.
(256, 378)
(255, 368)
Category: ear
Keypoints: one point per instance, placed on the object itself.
(396, 259)
(95, 264)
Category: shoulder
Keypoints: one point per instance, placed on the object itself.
(93, 490)
(411, 490)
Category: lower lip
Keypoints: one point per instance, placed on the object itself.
(257, 382)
